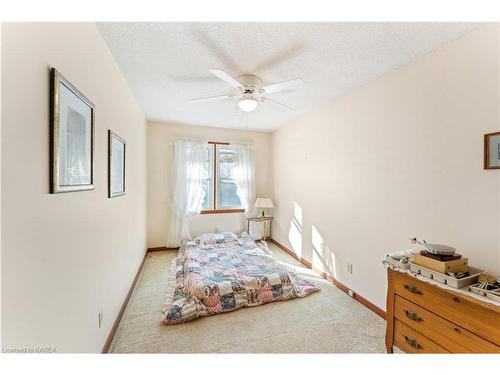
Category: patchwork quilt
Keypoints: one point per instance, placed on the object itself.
(216, 275)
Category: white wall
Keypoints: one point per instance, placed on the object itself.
(65, 256)
(160, 141)
(399, 157)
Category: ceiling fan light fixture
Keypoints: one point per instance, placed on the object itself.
(251, 91)
(248, 104)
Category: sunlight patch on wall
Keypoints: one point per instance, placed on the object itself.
(323, 258)
(297, 213)
(295, 232)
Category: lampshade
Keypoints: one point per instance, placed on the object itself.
(248, 103)
(264, 203)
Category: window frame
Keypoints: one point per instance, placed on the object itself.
(215, 180)
(210, 177)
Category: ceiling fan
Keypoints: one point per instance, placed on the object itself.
(252, 93)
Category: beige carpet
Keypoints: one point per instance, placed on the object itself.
(324, 322)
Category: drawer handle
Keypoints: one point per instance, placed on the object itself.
(456, 299)
(456, 329)
(413, 316)
(412, 342)
(412, 289)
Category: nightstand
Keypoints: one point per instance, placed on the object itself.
(259, 227)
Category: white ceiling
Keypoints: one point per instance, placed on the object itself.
(167, 63)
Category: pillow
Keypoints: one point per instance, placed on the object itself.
(210, 240)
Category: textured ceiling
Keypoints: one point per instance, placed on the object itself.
(167, 63)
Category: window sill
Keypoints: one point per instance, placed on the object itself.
(229, 211)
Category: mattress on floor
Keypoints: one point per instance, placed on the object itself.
(224, 277)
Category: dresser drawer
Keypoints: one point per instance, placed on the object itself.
(480, 318)
(410, 341)
(452, 337)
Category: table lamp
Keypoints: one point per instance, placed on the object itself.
(263, 203)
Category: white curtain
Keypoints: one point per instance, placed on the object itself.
(244, 174)
(188, 174)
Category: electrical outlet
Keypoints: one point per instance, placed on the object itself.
(101, 318)
(349, 268)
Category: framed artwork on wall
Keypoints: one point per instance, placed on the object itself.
(72, 123)
(116, 165)
(492, 151)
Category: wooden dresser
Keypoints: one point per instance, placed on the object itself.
(423, 318)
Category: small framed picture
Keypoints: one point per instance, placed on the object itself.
(492, 151)
(116, 165)
(71, 137)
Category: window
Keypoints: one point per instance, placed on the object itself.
(220, 186)
(226, 184)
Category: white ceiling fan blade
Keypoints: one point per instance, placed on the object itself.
(226, 78)
(291, 84)
(209, 99)
(281, 104)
